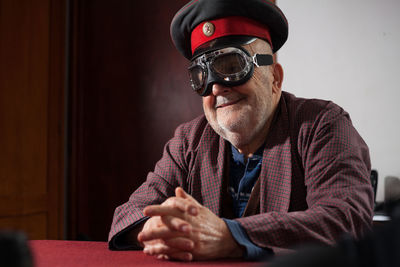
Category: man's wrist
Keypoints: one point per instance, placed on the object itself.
(250, 250)
(234, 249)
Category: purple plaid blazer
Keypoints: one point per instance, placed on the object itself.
(314, 181)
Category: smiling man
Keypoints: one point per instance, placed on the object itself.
(242, 114)
(263, 171)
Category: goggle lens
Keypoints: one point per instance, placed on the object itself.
(229, 64)
(197, 77)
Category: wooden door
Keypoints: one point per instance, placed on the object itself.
(32, 78)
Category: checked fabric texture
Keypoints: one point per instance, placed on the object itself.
(314, 181)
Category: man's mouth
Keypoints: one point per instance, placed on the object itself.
(226, 102)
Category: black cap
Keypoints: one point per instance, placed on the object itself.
(198, 11)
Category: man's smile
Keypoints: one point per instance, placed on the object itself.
(225, 102)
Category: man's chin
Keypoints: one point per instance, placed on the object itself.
(234, 133)
(235, 125)
(237, 140)
(228, 127)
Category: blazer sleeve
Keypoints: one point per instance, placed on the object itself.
(339, 195)
(170, 172)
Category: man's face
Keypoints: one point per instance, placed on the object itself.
(242, 114)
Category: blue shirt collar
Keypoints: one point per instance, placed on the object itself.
(239, 158)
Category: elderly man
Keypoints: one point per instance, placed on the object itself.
(262, 171)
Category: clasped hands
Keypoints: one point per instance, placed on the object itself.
(182, 229)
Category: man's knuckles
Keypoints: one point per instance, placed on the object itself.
(176, 203)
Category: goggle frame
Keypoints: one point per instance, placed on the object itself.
(210, 75)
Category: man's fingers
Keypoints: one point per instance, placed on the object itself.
(176, 224)
(175, 248)
(156, 248)
(177, 203)
(180, 243)
(182, 256)
(180, 193)
(169, 246)
(162, 257)
(158, 233)
(192, 207)
(160, 210)
(173, 207)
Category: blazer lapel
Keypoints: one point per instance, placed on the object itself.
(210, 171)
(276, 172)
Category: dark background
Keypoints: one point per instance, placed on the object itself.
(129, 91)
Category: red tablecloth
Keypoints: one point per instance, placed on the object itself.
(53, 253)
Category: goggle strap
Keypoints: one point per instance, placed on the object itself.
(263, 59)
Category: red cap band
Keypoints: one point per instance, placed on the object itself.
(210, 30)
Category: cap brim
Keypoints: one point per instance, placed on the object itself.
(197, 11)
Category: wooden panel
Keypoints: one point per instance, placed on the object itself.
(22, 204)
(34, 225)
(23, 97)
(31, 115)
(56, 140)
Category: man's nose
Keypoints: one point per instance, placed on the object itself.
(218, 89)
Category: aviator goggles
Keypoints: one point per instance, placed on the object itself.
(229, 67)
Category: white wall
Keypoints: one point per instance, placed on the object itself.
(348, 51)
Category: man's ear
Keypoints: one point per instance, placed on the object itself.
(278, 77)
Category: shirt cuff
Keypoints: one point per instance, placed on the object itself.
(253, 252)
(119, 240)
